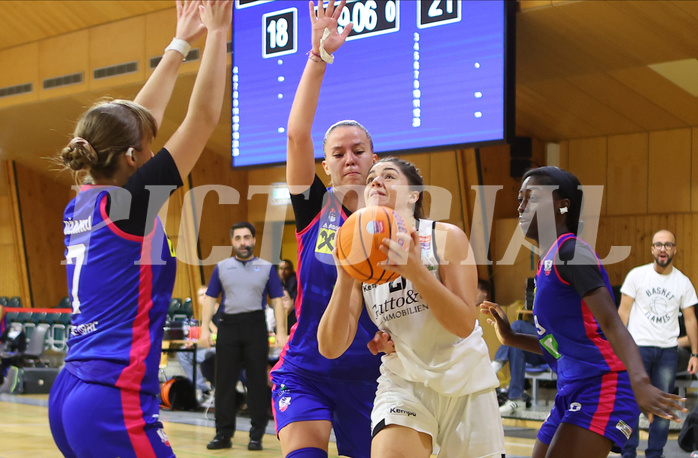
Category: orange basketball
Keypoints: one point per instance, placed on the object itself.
(358, 240)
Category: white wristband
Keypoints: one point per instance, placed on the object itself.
(324, 55)
(179, 45)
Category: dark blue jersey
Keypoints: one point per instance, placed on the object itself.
(120, 285)
(573, 343)
(317, 275)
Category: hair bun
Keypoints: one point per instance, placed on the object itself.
(79, 154)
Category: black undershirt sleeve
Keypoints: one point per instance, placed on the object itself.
(578, 265)
(149, 188)
(308, 204)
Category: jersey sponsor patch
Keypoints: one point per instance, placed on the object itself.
(325, 241)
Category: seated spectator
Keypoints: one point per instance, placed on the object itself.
(186, 360)
(13, 343)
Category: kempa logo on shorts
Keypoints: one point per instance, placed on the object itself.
(399, 411)
(575, 407)
(624, 428)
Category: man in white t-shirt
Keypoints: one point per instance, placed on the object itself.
(652, 297)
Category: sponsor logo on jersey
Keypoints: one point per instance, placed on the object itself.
(399, 411)
(284, 403)
(325, 240)
(624, 428)
(83, 329)
(547, 266)
(575, 407)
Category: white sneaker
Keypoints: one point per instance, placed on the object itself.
(207, 401)
(694, 454)
(509, 408)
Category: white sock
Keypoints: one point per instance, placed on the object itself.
(497, 366)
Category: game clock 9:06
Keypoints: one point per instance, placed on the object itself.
(370, 17)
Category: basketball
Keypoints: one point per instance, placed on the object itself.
(358, 240)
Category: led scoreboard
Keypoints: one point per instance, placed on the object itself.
(418, 74)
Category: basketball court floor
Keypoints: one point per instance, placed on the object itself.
(25, 432)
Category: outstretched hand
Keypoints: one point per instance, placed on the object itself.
(653, 401)
(189, 25)
(498, 319)
(216, 14)
(326, 18)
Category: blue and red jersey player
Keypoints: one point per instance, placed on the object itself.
(120, 280)
(308, 386)
(602, 382)
(594, 389)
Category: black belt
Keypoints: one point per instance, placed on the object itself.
(229, 318)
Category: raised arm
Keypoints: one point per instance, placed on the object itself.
(339, 322)
(206, 101)
(300, 155)
(157, 90)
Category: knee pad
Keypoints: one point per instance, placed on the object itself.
(308, 452)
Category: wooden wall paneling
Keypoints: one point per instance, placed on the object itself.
(628, 165)
(692, 269)
(669, 171)
(114, 44)
(60, 56)
(13, 274)
(565, 155)
(588, 160)
(216, 218)
(265, 217)
(440, 170)
(20, 65)
(694, 169)
(41, 202)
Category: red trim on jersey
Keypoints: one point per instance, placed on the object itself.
(607, 401)
(604, 346)
(114, 228)
(131, 377)
(134, 422)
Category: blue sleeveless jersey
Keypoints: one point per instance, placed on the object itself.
(572, 340)
(120, 285)
(317, 275)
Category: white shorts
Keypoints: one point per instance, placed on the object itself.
(465, 426)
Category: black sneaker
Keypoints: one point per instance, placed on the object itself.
(255, 445)
(220, 441)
